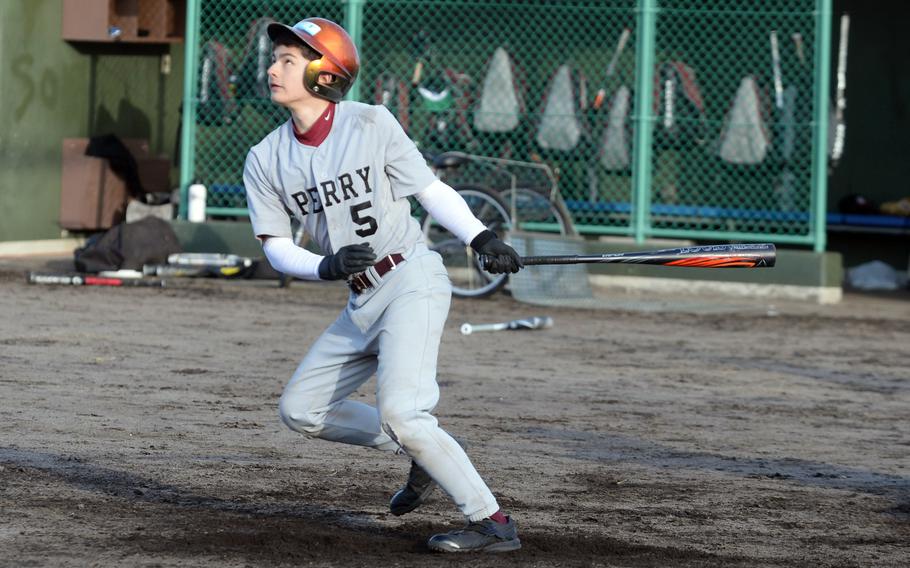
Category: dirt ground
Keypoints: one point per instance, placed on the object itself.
(138, 427)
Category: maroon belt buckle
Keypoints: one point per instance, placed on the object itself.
(358, 283)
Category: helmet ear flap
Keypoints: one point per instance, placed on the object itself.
(334, 90)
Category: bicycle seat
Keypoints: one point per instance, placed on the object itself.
(448, 160)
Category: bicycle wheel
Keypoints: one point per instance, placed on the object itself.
(469, 279)
(535, 212)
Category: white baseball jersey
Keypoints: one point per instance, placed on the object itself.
(350, 189)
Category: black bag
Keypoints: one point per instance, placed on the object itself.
(679, 107)
(252, 81)
(217, 103)
(128, 246)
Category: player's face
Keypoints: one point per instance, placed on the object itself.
(286, 75)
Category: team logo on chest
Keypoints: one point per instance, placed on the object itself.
(330, 192)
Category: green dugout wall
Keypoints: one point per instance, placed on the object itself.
(51, 89)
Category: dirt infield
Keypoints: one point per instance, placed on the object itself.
(139, 427)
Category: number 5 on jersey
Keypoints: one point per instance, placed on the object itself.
(368, 223)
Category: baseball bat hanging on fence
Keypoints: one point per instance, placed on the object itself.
(840, 125)
(601, 96)
(776, 72)
(761, 255)
(536, 322)
(89, 280)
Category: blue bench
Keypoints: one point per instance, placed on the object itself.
(892, 224)
(884, 224)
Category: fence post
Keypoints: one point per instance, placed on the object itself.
(819, 199)
(188, 117)
(353, 20)
(641, 179)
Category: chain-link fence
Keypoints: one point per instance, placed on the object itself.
(728, 90)
(732, 149)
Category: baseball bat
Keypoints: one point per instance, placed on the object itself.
(209, 259)
(778, 76)
(611, 67)
(761, 255)
(798, 45)
(88, 280)
(536, 322)
(669, 93)
(178, 271)
(840, 126)
(419, 50)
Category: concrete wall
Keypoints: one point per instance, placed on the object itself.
(51, 89)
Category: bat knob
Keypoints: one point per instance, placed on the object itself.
(466, 329)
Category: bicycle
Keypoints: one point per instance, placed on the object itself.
(502, 208)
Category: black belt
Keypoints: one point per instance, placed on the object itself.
(359, 282)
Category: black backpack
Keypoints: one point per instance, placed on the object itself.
(678, 106)
(217, 104)
(128, 246)
(252, 79)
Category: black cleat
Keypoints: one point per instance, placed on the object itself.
(480, 536)
(414, 493)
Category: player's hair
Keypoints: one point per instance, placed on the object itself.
(308, 52)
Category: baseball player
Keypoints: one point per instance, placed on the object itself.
(344, 170)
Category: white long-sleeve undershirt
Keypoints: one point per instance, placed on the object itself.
(290, 259)
(450, 210)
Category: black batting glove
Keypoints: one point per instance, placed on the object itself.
(348, 260)
(496, 257)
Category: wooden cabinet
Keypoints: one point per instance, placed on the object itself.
(93, 195)
(126, 21)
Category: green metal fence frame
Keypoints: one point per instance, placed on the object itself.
(640, 227)
(188, 116)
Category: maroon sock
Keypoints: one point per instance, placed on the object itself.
(499, 517)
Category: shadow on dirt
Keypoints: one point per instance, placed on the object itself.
(611, 448)
(164, 520)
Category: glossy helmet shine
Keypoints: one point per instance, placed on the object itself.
(339, 55)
